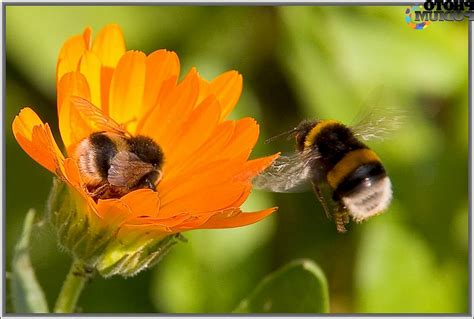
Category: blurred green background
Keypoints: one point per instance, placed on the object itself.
(297, 62)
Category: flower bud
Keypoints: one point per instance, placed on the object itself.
(97, 245)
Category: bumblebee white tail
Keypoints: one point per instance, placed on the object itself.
(371, 198)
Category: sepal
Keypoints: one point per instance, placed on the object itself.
(99, 245)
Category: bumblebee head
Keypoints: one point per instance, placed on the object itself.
(301, 131)
(147, 150)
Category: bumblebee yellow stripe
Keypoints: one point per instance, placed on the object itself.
(308, 141)
(349, 163)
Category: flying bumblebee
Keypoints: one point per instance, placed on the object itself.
(111, 161)
(331, 153)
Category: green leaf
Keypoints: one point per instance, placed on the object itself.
(300, 286)
(27, 295)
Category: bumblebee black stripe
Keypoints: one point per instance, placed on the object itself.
(334, 141)
(348, 164)
(104, 150)
(371, 171)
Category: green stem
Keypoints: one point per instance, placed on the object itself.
(72, 288)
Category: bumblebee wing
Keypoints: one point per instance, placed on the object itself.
(96, 116)
(126, 170)
(378, 123)
(287, 173)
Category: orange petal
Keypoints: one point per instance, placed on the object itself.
(206, 175)
(167, 89)
(212, 173)
(150, 231)
(145, 122)
(195, 131)
(207, 154)
(142, 202)
(243, 140)
(236, 218)
(243, 197)
(113, 211)
(72, 83)
(73, 178)
(254, 167)
(168, 222)
(90, 67)
(106, 74)
(219, 159)
(126, 89)
(192, 223)
(227, 87)
(72, 126)
(137, 205)
(36, 139)
(156, 227)
(109, 45)
(71, 52)
(87, 35)
(204, 89)
(174, 110)
(202, 199)
(160, 66)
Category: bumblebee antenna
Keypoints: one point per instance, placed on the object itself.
(290, 133)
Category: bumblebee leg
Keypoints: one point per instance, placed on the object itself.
(345, 217)
(321, 199)
(150, 185)
(341, 217)
(98, 192)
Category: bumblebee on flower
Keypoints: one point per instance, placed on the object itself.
(147, 156)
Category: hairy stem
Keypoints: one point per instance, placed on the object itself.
(72, 288)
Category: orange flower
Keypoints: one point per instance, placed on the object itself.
(206, 173)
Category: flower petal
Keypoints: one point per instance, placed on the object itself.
(204, 89)
(139, 205)
(185, 167)
(160, 66)
(106, 74)
(236, 218)
(228, 164)
(91, 67)
(192, 223)
(165, 222)
(71, 53)
(72, 83)
(174, 109)
(243, 140)
(72, 126)
(143, 202)
(36, 139)
(254, 167)
(126, 89)
(227, 87)
(206, 175)
(109, 45)
(113, 212)
(73, 176)
(195, 131)
(230, 139)
(200, 200)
